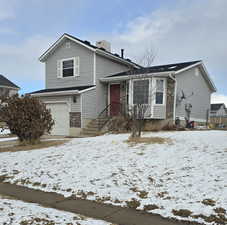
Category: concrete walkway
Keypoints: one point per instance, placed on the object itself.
(113, 214)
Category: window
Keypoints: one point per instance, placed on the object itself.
(68, 68)
(141, 92)
(159, 94)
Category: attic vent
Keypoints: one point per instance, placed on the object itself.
(68, 44)
(116, 55)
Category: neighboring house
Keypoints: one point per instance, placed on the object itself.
(84, 82)
(218, 115)
(218, 110)
(7, 87)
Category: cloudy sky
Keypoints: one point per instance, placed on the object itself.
(176, 30)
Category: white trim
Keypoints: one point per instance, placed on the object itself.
(164, 91)
(71, 92)
(188, 67)
(56, 93)
(56, 102)
(88, 89)
(44, 55)
(74, 67)
(101, 52)
(137, 76)
(208, 78)
(94, 68)
(9, 87)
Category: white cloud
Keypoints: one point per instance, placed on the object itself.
(20, 61)
(218, 98)
(191, 30)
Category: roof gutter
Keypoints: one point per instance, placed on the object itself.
(128, 77)
(58, 93)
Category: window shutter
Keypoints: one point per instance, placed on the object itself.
(59, 69)
(77, 66)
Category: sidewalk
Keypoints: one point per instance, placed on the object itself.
(113, 214)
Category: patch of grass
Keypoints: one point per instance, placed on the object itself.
(148, 140)
(214, 219)
(220, 210)
(182, 212)
(150, 207)
(133, 203)
(162, 194)
(37, 221)
(209, 202)
(42, 144)
(142, 194)
(4, 177)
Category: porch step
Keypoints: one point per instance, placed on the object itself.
(94, 127)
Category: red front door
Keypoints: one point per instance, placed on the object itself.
(114, 99)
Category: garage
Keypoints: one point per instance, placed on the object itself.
(60, 115)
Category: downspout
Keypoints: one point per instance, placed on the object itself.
(175, 96)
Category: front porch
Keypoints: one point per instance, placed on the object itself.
(156, 94)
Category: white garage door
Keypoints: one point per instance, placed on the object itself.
(60, 115)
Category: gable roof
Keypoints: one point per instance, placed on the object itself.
(7, 83)
(157, 69)
(217, 106)
(89, 46)
(164, 70)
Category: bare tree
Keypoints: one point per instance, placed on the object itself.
(147, 57)
(139, 110)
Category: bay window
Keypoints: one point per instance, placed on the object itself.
(159, 91)
(141, 91)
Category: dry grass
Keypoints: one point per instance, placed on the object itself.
(42, 144)
(150, 207)
(209, 202)
(148, 140)
(182, 212)
(133, 203)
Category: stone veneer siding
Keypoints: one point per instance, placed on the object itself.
(170, 98)
(75, 119)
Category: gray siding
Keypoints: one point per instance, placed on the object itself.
(74, 107)
(190, 81)
(88, 104)
(86, 66)
(105, 67)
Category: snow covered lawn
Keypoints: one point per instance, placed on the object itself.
(4, 131)
(13, 212)
(189, 173)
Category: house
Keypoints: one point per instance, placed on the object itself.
(218, 110)
(85, 82)
(218, 114)
(7, 87)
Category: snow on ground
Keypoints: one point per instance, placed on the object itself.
(170, 176)
(8, 139)
(4, 131)
(14, 212)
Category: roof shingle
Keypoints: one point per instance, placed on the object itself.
(5, 82)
